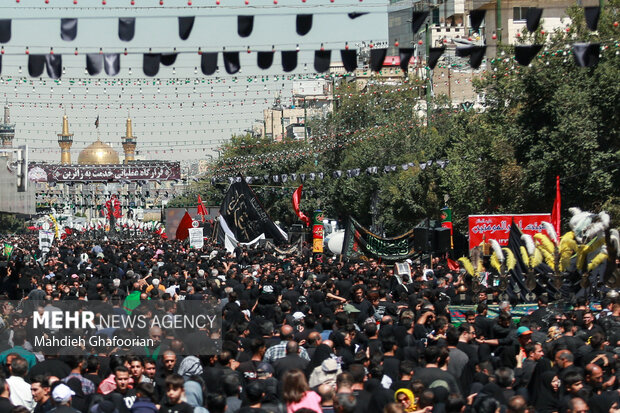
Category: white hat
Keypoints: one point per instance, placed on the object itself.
(62, 393)
(298, 315)
(201, 273)
(155, 282)
(116, 282)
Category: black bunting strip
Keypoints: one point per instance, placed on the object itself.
(112, 63)
(434, 54)
(525, 54)
(231, 62)
(586, 54)
(349, 59)
(0, 64)
(186, 24)
(126, 28)
(592, 15)
(322, 58)
(463, 51)
(476, 17)
(405, 54)
(355, 15)
(94, 63)
(5, 30)
(303, 24)
(532, 18)
(417, 20)
(289, 60)
(150, 63)
(168, 59)
(53, 64)
(264, 60)
(208, 63)
(377, 57)
(477, 54)
(68, 29)
(245, 24)
(36, 64)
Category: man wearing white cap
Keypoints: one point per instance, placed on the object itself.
(62, 397)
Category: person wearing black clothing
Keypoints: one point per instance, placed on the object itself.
(431, 372)
(174, 395)
(5, 403)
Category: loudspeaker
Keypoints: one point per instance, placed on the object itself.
(442, 240)
(422, 239)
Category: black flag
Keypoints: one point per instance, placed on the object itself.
(97, 122)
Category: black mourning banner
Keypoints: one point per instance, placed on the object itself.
(112, 63)
(359, 241)
(36, 64)
(126, 28)
(5, 30)
(150, 63)
(208, 63)
(245, 24)
(303, 24)
(68, 29)
(53, 64)
(417, 20)
(405, 54)
(94, 63)
(349, 59)
(356, 14)
(289, 60)
(377, 57)
(168, 59)
(586, 54)
(322, 59)
(525, 54)
(231, 62)
(532, 18)
(245, 216)
(592, 15)
(264, 60)
(434, 55)
(150, 171)
(475, 58)
(476, 17)
(186, 24)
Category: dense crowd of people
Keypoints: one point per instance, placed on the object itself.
(298, 335)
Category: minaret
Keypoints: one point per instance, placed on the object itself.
(65, 140)
(7, 130)
(129, 143)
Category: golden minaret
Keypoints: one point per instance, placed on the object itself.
(65, 140)
(129, 143)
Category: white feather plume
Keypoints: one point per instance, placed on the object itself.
(614, 236)
(553, 236)
(497, 249)
(529, 244)
(604, 218)
(575, 211)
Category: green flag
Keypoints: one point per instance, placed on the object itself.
(8, 250)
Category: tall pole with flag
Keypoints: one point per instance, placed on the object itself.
(202, 211)
(446, 222)
(556, 214)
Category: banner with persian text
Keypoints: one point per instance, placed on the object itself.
(359, 241)
(148, 171)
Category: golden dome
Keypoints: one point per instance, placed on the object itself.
(98, 153)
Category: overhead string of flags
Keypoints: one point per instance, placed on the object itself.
(585, 54)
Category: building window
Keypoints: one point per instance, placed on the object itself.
(519, 13)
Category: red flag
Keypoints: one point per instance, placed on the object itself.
(453, 265)
(296, 201)
(556, 214)
(202, 211)
(184, 225)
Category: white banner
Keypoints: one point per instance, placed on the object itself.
(45, 240)
(196, 239)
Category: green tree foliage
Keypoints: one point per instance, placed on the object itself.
(551, 118)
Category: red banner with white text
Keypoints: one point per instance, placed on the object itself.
(497, 227)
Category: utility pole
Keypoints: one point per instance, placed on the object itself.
(305, 121)
(428, 74)
(499, 21)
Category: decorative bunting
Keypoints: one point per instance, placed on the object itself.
(303, 24)
(377, 57)
(5, 30)
(168, 59)
(532, 18)
(434, 55)
(322, 59)
(36, 64)
(463, 51)
(586, 54)
(231, 62)
(126, 28)
(186, 24)
(476, 17)
(477, 54)
(112, 63)
(94, 63)
(53, 64)
(289, 60)
(245, 24)
(405, 54)
(417, 20)
(208, 63)
(592, 15)
(525, 54)
(68, 29)
(349, 59)
(150, 63)
(264, 60)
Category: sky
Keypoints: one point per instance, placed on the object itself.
(180, 114)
